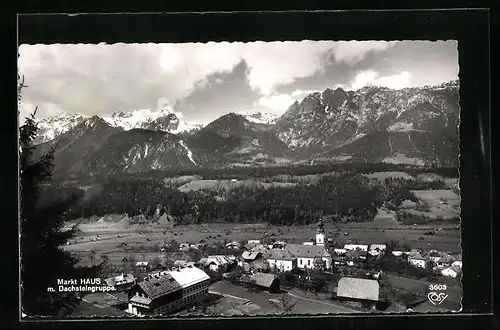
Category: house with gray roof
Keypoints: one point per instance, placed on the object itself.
(307, 254)
(121, 282)
(364, 292)
(269, 282)
(249, 256)
(281, 260)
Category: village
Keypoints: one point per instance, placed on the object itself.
(265, 276)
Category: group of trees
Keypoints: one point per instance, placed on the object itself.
(346, 195)
(260, 172)
(43, 261)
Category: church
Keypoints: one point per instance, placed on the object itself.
(306, 254)
(321, 239)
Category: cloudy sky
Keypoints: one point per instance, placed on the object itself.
(201, 82)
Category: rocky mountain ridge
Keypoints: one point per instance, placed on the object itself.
(374, 124)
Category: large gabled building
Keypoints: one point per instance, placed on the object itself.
(361, 292)
(157, 294)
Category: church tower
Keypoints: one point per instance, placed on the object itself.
(320, 234)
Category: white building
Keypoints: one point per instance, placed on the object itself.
(308, 243)
(377, 249)
(361, 247)
(254, 241)
(417, 262)
(451, 272)
(281, 260)
(217, 262)
(457, 263)
(233, 245)
(167, 291)
(306, 255)
(397, 253)
(340, 251)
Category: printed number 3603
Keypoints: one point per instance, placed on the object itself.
(437, 287)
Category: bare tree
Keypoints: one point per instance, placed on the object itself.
(92, 256)
(284, 304)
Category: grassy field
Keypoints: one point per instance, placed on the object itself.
(228, 185)
(381, 176)
(111, 239)
(118, 235)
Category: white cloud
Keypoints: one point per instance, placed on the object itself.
(279, 103)
(299, 94)
(275, 103)
(371, 78)
(351, 52)
(97, 79)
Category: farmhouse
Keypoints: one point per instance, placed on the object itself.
(255, 247)
(217, 262)
(306, 254)
(445, 261)
(142, 266)
(451, 272)
(339, 251)
(359, 291)
(267, 281)
(183, 263)
(377, 249)
(257, 265)
(278, 245)
(260, 248)
(435, 256)
(355, 255)
(184, 246)
(397, 253)
(281, 260)
(121, 282)
(361, 247)
(417, 262)
(414, 253)
(233, 245)
(248, 256)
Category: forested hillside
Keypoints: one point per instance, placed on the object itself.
(342, 196)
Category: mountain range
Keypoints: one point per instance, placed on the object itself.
(372, 124)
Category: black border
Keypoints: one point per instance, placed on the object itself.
(469, 27)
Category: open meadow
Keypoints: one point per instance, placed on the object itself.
(143, 241)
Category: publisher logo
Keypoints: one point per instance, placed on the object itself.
(437, 298)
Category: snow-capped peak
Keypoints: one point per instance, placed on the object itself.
(51, 127)
(136, 118)
(260, 117)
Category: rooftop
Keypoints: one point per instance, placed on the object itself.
(358, 288)
(189, 276)
(159, 285)
(278, 254)
(217, 259)
(307, 251)
(247, 255)
(260, 279)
